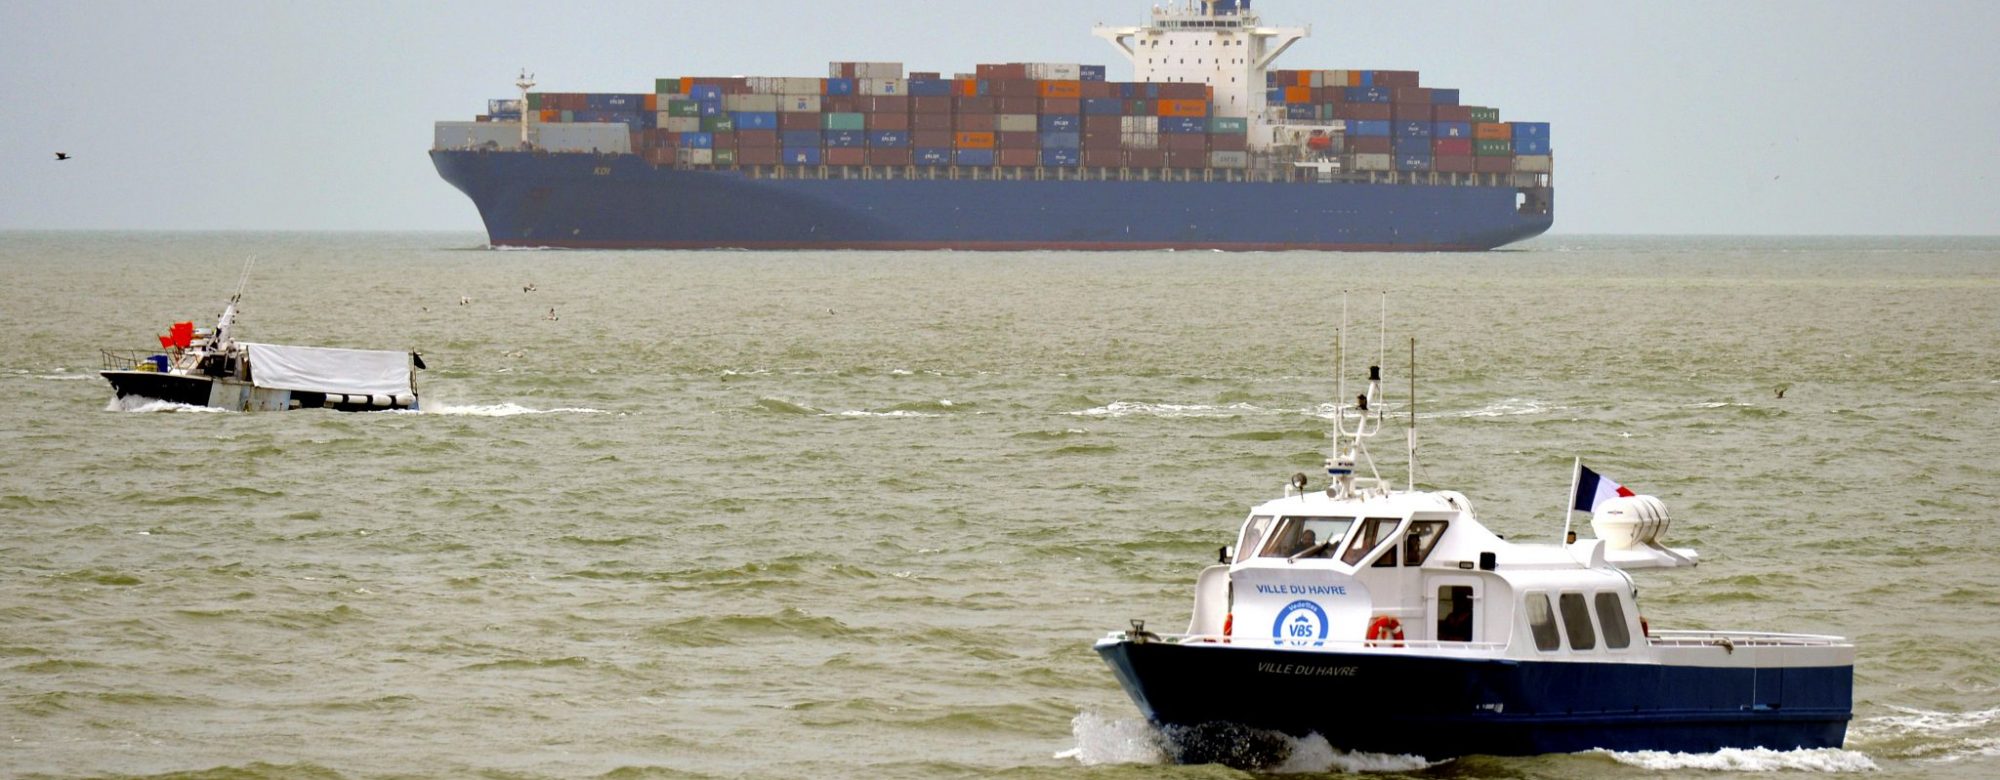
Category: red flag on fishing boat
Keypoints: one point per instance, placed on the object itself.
(1593, 488)
(166, 343)
(183, 333)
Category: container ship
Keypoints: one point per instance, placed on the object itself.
(1207, 147)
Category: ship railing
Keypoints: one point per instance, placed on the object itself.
(130, 360)
(1360, 645)
(1736, 639)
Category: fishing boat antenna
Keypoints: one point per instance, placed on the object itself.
(1350, 444)
(225, 325)
(1413, 415)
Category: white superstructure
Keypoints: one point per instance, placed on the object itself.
(1220, 43)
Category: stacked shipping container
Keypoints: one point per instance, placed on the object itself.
(1393, 123)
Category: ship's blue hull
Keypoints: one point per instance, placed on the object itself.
(621, 201)
(1203, 696)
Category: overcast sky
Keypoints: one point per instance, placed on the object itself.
(1696, 116)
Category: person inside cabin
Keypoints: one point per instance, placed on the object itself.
(1305, 542)
(1570, 539)
(1456, 625)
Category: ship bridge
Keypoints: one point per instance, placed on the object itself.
(1219, 43)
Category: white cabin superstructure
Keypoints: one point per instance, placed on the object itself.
(1220, 43)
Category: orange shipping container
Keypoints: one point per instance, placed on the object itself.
(1298, 95)
(1493, 131)
(1183, 108)
(965, 88)
(974, 141)
(550, 116)
(652, 103)
(1061, 89)
(1305, 78)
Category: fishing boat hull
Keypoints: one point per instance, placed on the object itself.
(175, 388)
(1206, 696)
(237, 396)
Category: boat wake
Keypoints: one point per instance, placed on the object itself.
(501, 410)
(1939, 737)
(1101, 741)
(1748, 760)
(139, 403)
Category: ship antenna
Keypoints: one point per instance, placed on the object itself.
(1413, 415)
(525, 81)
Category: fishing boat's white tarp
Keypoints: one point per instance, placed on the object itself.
(323, 370)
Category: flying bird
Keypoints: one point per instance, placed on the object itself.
(62, 156)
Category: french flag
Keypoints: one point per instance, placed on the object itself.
(1593, 488)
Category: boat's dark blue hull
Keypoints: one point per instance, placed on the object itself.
(1443, 707)
(621, 201)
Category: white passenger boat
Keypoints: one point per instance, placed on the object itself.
(1393, 621)
(213, 369)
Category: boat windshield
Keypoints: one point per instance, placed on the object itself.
(1374, 532)
(1296, 535)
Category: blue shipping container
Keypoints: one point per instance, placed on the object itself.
(1413, 146)
(756, 120)
(1413, 162)
(840, 139)
(929, 88)
(1444, 97)
(1531, 145)
(1062, 140)
(839, 87)
(804, 156)
(706, 92)
(614, 102)
(1062, 157)
(1093, 72)
(1184, 124)
(698, 140)
(1062, 123)
(1531, 130)
(889, 139)
(1368, 78)
(933, 156)
(1302, 111)
(799, 138)
(1412, 128)
(610, 117)
(710, 107)
(1103, 106)
(975, 157)
(1451, 130)
(1378, 128)
(1370, 95)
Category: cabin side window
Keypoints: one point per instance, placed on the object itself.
(1422, 538)
(1611, 615)
(1295, 535)
(1454, 613)
(1373, 532)
(1576, 622)
(1253, 536)
(1542, 623)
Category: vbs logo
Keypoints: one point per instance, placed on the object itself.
(1299, 624)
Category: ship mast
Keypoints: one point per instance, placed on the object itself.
(525, 81)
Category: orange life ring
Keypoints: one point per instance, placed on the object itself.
(1229, 624)
(1385, 629)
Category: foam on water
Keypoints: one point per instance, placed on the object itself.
(139, 403)
(1101, 741)
(1313, 755)
(1135, 408)
(1750, 760)
(1933, 736)
(501, 410)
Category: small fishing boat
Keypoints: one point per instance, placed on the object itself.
(211, 368)
(1394, 621)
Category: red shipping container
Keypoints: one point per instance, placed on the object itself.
(846, 156)
(1113, 157)
(1184, 142)
(888, 121)
(882, 156)
(1099, 89)
(757, 156)
(724, 141)
(932, 139)
(1395, 79)
(1017, 105)
(1411, 95)
(975, 105)
(1007, 89)
(890, 104)
(797, 121)
(1062, 106)
(1184, 91)
(1411, 112)
(1023, 157)
(1455, 164)
(1451, 113)
(976, 123)
(1187, 159)
(1452, 147)
(1146, 158)
(1103, 140)
(1371, 112)
(843, 104)
(924, 75)
(930, 105)
(930, 122)
(1228, 142)
(660, 155)
(1008, 72)
(1493, 164)
(756, 139)
(1103, 124)
(1371, 144)
(1022, 140)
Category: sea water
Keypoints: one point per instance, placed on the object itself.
(731, 514)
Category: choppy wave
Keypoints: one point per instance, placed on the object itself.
(502, 410)
(1750, 760)
(1101, 741)
(1942, 737)
(1135, 408)
(137, 403)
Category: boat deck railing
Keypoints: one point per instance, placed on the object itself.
(129, 360)
(1736, 639)
(1730, 640)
